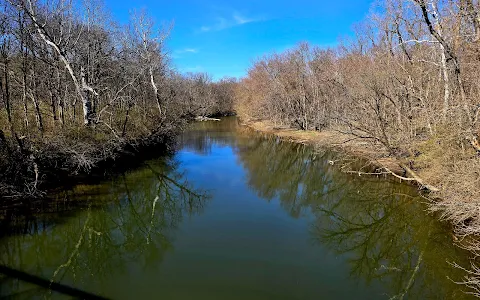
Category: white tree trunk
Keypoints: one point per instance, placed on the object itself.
(81, 90)
(446, 85)
(155, 90)
(150, 71)
(443, 63)
(86, 102)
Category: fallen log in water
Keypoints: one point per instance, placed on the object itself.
(202, 119)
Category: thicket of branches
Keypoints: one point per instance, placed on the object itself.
(408, 82)
(77, 88)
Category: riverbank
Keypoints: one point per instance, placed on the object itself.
(445, 201)
(33, 167)
(376, 156)
(270, 201)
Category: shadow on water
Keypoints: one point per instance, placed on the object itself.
(45, 284)
(379, 229)
(102, 229)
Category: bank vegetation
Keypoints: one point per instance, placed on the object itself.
(79, 92)
(407, 83)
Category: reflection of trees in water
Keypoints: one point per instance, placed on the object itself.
(201, 136)
(380, 226)
(131, 219)
(293, 173)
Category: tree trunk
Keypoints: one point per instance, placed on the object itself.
(81, 90)
(24, 98)
(53, 105)
(124, 130)
(155, 91)
(24, 51)
(6, 96)
(33, 96)
(24, 86)
(38, 115)
(448, 52)
(474, 17)
(86, 102)
(446, 85)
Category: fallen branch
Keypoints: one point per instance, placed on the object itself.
(419, 180)
(202, 119)
(412, 176)
(368, 173)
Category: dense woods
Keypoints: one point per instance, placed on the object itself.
(408, 83)
(78, 89)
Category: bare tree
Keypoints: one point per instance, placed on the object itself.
(81, 86)
(152, 43)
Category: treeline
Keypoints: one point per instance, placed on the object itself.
(408, 82)
(78, 89)
(411, 71)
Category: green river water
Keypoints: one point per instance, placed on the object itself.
(233, 215)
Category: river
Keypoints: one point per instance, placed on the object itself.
(233, 215)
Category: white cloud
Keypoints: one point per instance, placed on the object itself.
(178, 53)
(241, 20)
(235, 19)
(189, 50)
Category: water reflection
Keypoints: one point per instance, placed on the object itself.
(97, 231)
(201, 137)
(380, 226)
(370, 235)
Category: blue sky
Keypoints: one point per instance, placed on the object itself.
(222, 38)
